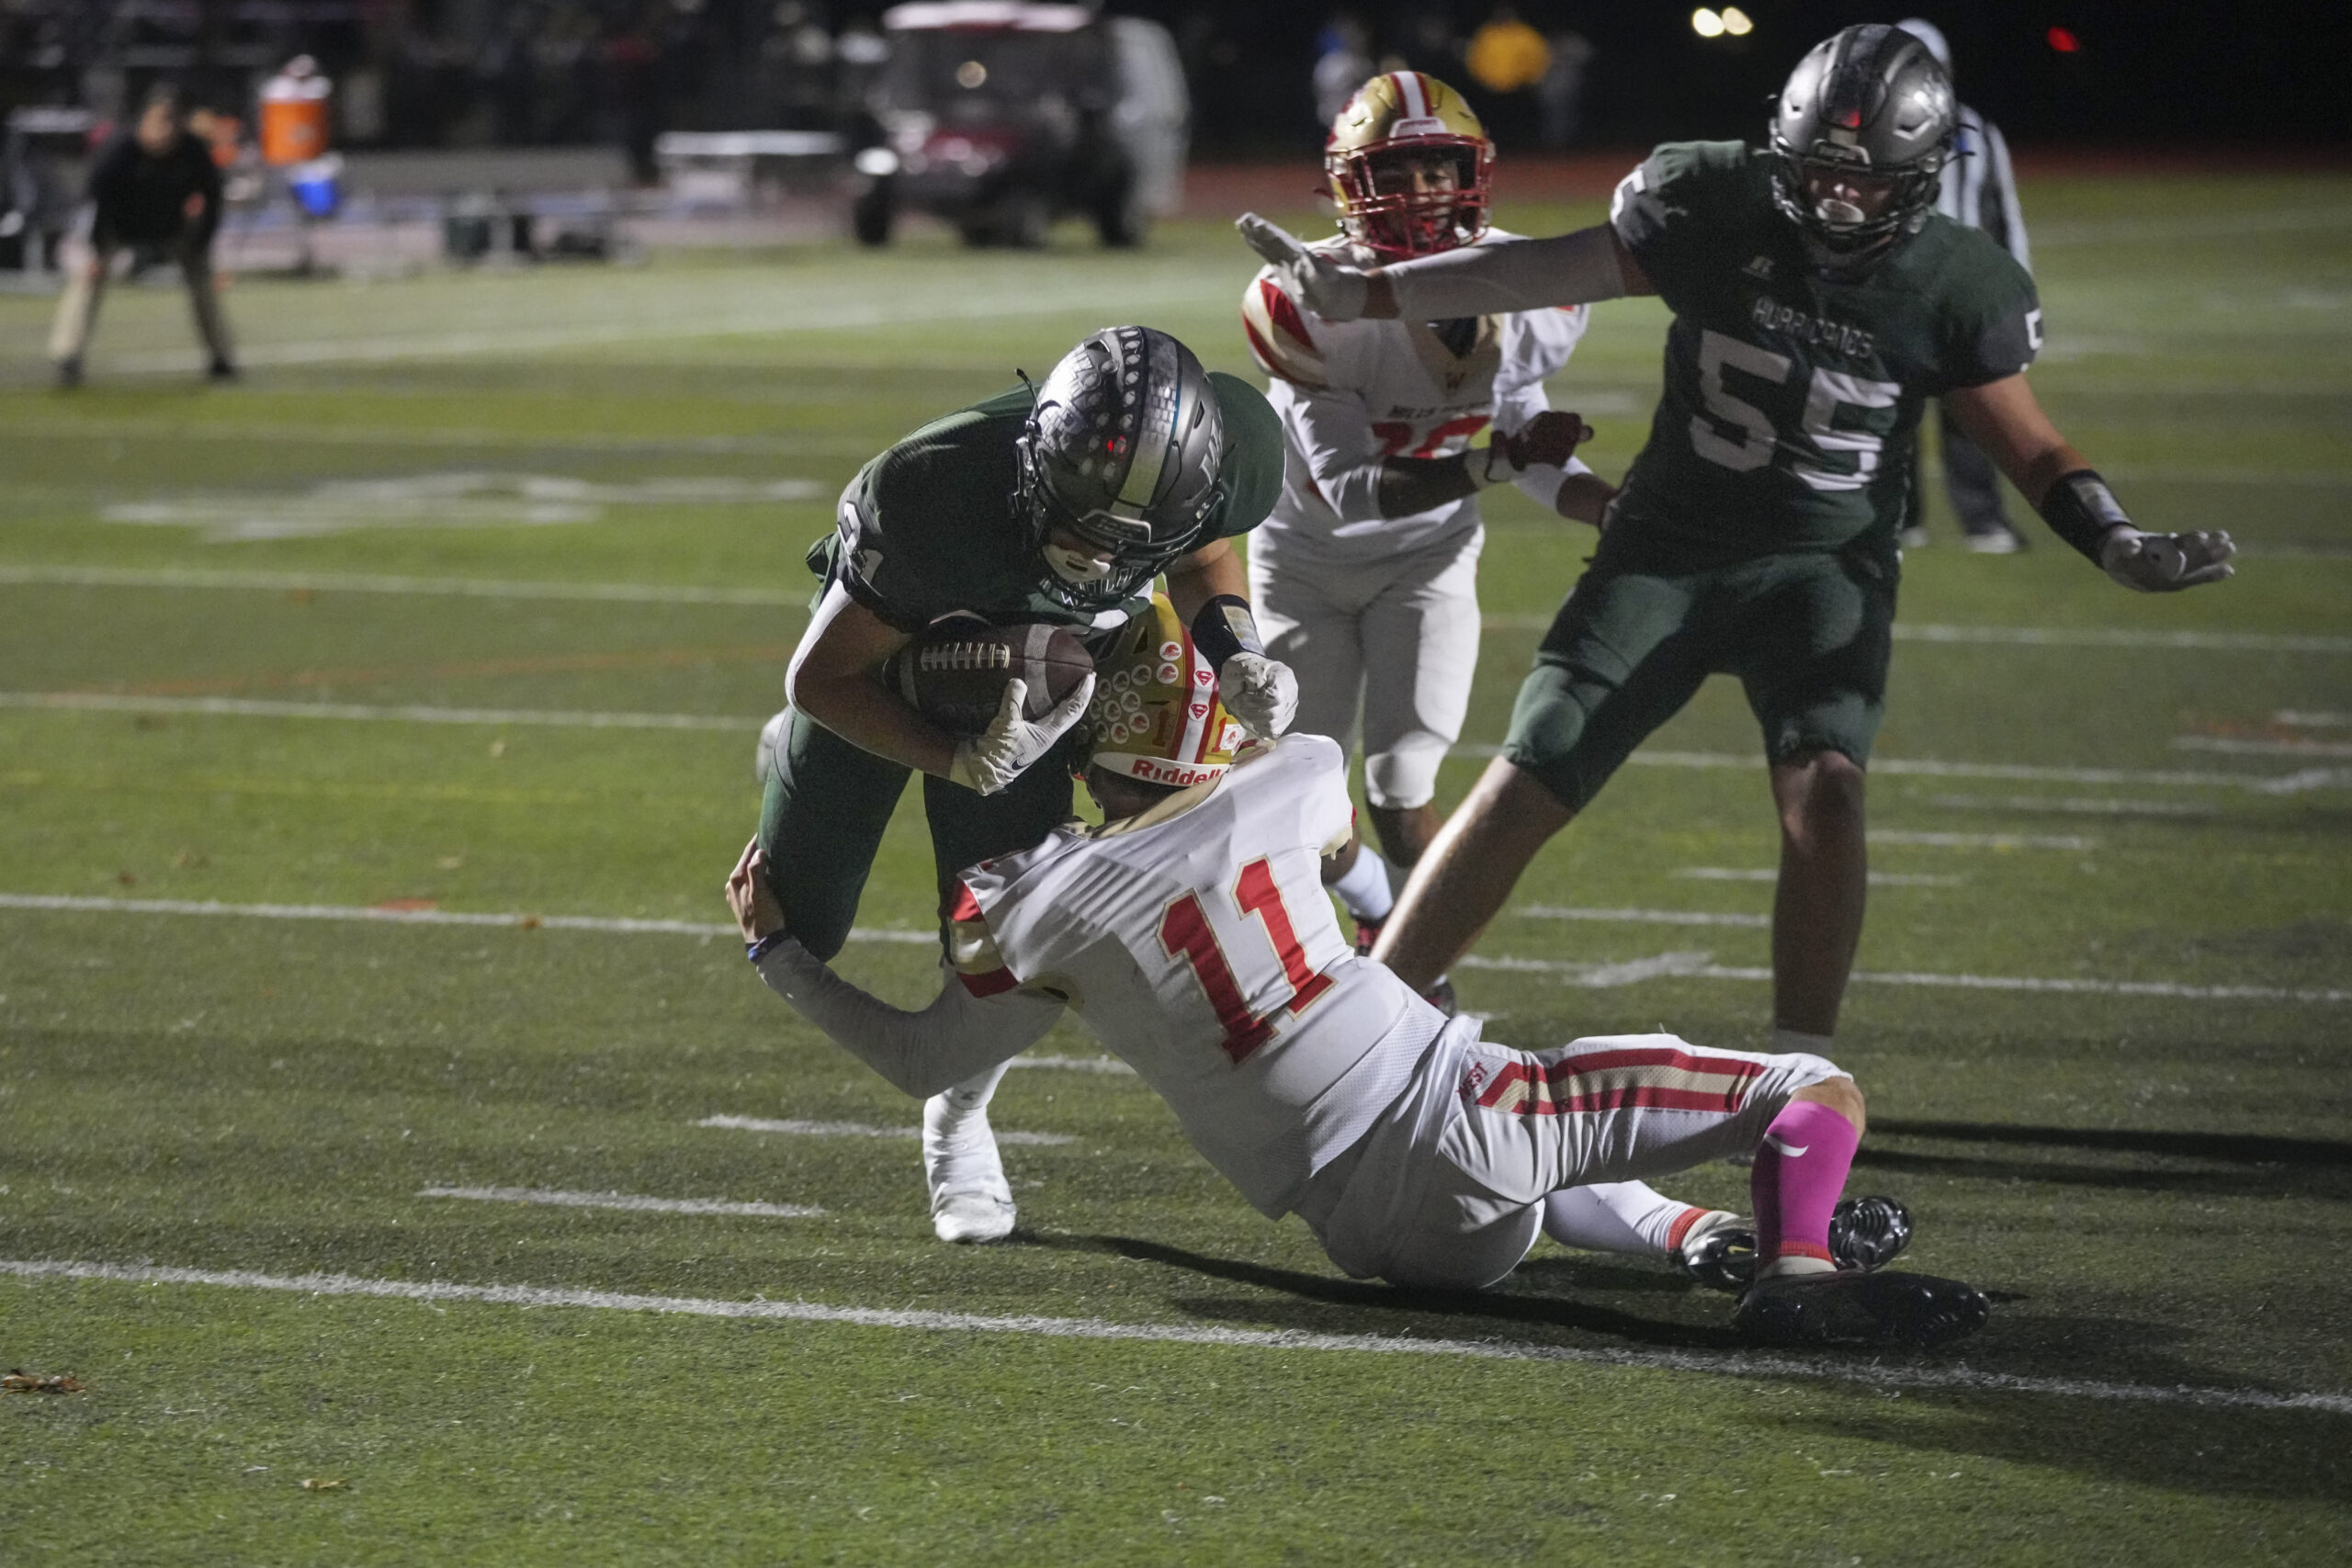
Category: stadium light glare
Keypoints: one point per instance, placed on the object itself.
(1706, 24)
(2064, 41)
(1736, 22)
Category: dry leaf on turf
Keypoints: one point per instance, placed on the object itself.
(313, 1484)
(19, 1381)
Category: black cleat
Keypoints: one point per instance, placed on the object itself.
(1865, 1234)
(69, 373)
(220, 371)
(1846, 1308)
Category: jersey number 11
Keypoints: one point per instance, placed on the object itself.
(1186, 932)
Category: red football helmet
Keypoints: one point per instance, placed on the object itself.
(1410, 167)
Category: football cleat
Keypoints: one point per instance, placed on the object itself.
(1440, 995)
(970, 1199)
(1845, 1307)
(1865, 1234)
(1367, 933)
(1996, 541)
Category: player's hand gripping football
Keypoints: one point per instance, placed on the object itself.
(1259, 693)
(1006, 749)
(1324, 285)
(2166, 563)
(749, 895)
(1548, 440)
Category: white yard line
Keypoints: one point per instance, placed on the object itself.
(2229, 746)
(1982, 841)
(1870, 1373)
(668, 593)
(2079, 804)
(257, 707)
(369, 582)
(1763, 873)
(562, 719)
(1573, 973)
(1696, 966)
(1109, 1064)
(1643, 917)
(800, 1129)
(2313, 720)
(623, 1201)
(2053, 636)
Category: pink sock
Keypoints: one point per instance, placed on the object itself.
(1799, 1170)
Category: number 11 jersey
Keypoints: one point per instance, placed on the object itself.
(1197, 941)
(1790, 412)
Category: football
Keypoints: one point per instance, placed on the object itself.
(955, 671)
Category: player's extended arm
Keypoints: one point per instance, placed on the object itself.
(2005, 419)
(1476, 280)
(958, 1036)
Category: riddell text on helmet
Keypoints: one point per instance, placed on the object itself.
(1152, 770)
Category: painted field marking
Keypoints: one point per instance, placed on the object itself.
(1643, 917)
(466, 498)
(2296, 783)
(1735, 1363)
(2312, 720)
(273, 434)
(2080, 805)
(2052, 636)
(683, 593)
(367, 582)
(1571, 974)
(623, 1201)
(1110, 1065)
(2022, 773)
(1940, 840)
(1698, 967)
(2226, 745)
(1759, 874)
(800, 1129)
(269, 708)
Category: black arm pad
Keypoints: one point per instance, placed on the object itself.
(2080, 509)
(1225, 627)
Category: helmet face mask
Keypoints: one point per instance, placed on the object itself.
(1860, 136)
(1156, 718)
(1410, 167)
(1121, 455)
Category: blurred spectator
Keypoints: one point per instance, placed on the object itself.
(1559, 95)
(1342, 64)
(1978, 190)
(631, 103)
(156, 191)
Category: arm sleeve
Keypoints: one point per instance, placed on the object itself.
(1511, 274)
(958, 1036)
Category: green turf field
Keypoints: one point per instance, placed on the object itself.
(471, 601)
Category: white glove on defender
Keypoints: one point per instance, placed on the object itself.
(1259, 693)
(1329, 286)
(1003, 752)
(2165, 563)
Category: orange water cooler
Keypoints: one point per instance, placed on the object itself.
(294, 115)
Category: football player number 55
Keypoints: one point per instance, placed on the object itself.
(1186, 932)
(1758, 440)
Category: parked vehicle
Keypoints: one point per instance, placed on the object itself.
(1001, 116)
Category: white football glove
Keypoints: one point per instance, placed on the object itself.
(1003, 752)
(1259, 693)
(1324, 285)
(2165, 563)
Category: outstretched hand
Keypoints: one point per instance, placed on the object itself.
(1003, 752)
(1324, 284)
(749, 897)
(2166, 563)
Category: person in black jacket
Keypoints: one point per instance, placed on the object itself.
(156, 191)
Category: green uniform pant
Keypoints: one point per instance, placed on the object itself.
(828, 803)
(1808, 636)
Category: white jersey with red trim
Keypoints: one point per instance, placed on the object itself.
(1198, 942)
(1351, 393)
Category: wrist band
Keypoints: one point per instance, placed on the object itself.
(1225, 627)
(2080, 509)
(755, 951)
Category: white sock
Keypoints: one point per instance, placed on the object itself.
(1365, 890)
(957, 1118)
(1787, 1041)
(1612, 1216)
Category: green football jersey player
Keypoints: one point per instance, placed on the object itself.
(1128, 461)
(1818, 299)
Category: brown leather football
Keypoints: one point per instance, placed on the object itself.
(955, 671)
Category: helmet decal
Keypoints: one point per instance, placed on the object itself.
(1156, 716)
